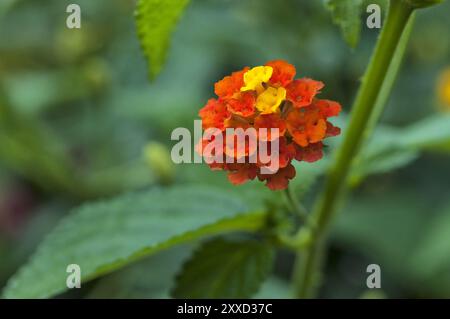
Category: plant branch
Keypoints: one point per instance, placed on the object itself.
(306, 273)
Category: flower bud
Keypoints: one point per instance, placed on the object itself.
(157, 156)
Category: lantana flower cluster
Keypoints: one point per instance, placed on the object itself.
(268, 96)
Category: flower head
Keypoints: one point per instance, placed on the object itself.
(271, 108)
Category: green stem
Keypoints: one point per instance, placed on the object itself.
(296, 206)
(308, 264)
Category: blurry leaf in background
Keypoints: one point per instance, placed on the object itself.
(5, 5)
(274, 288)
(347, 15)
(385, 227)
(429, 134)
(413, 251)
(430, 263)
(391, 148)
(105, 236)
(225, 269)
(155, 21)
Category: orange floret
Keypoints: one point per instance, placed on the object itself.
(306, 125)
(243, 104)
(301, 92)
(241, 173)
(214, 114)
(269, 121)
(313, 152)
(280, 179)
(328, 108)
(283, 73)
(231, 84)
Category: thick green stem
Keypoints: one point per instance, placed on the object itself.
(307, 266)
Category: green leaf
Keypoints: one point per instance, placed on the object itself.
(347, 15)
(225, 269)
(155, 21)
(150, 278)
(105, 236)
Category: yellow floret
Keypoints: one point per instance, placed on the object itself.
(269, 101)
(254, 78)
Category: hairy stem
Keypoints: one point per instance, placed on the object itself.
(307, 272)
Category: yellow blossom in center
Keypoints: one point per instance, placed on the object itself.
(255, 77)
(269, 100)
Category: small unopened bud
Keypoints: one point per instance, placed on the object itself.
(157, 156)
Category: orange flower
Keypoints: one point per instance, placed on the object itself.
(266, 97)
(301, 92)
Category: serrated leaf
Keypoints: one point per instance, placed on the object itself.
(347, 15)
(105, 236)
(150, 278)
(155, 21)
(225, 269)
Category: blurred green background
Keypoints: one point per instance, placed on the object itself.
(87, 94)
